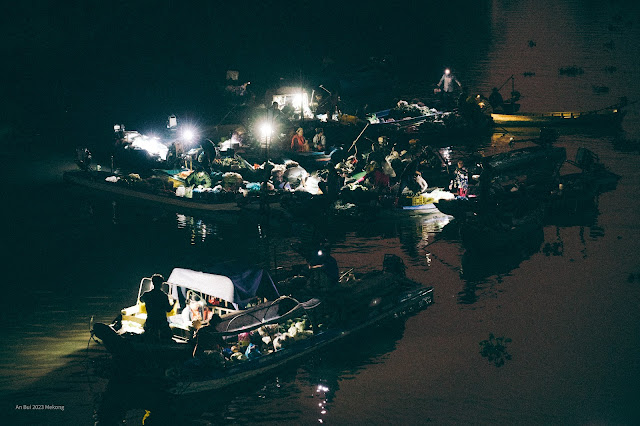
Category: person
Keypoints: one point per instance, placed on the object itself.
(460, 180)
(298, 142)
(324, 272)
(334, 182)
(279, 181)
(295, 175)
(446, 85)
(157, 305)
(422, 184)
(206, 338)
(319, 140)
(376, 178)
(495, 99)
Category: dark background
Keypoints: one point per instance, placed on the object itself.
(78, 67)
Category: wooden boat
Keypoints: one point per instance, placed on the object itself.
(96, 180)
(601, 118)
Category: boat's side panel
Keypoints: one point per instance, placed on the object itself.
(422, 296)
(167, 200)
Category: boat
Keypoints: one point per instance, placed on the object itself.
(199, 295)
(347, 309)
(311, 160)
(424, 201)
(227, 202)
(503, 179)
(601, 118)
(258, 339)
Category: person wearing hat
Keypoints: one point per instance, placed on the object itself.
(298, 142)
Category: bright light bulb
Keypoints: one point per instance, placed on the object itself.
(188, 135)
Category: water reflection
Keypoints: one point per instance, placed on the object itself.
(274, 400)
(198, 229)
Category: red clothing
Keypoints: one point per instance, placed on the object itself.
(380, 179)
(298, 143)
(377, 178)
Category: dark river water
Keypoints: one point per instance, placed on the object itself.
(570, 305)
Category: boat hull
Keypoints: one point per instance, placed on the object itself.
(96, 182)
(553, 119)
(413, 299)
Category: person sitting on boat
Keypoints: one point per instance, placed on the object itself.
(422, 184)
(298, 141)
(205, 337)
(376, 178)
(157, 305)
(460, 182)
(496, 100)
(334, 182)
(319, 140)
(279, 181)
(446, 85)
(295, 175)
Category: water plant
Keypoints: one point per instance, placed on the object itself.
(495, 349)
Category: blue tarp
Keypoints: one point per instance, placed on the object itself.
(249, 282)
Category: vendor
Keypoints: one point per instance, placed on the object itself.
(298, 142)
(460, 182)
(319, 140)
(376, 177)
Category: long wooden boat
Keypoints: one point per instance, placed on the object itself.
(601, 118)
(96, 181)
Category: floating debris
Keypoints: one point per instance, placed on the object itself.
(571, 71)
(495, 349)
(531, 43)
(528, 74)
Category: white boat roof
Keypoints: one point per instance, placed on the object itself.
(214, 285)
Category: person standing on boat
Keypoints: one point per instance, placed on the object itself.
(324, 272)
(298, 142)
(447, 86)
(496, 100)
(157, 304)
(460, 181)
